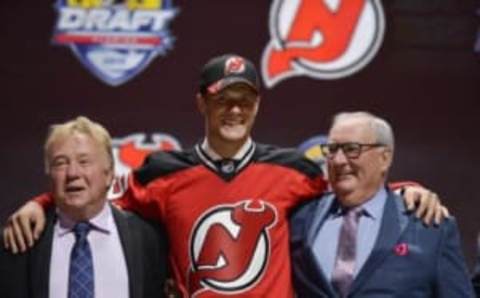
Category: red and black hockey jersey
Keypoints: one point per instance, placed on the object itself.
(227, 220)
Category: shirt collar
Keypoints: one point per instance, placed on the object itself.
(215, 156)
(101, 222)
(372, 208)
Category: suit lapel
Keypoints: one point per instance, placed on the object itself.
(39, 260)
(312, 227)
(393, 225)
(131, 254)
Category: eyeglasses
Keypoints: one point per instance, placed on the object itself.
(351, 150)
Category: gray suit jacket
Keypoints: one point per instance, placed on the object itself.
(408, 259)
(144, 246)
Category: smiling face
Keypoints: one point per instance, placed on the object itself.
(355, 180)
(80, 173)
(229, 114)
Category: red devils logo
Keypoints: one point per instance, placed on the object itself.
(325, 39)
(130, 152)
(230, 247)
(234, 65)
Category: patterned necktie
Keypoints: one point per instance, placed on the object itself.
(342, 276)
(80, 282)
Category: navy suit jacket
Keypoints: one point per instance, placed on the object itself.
(408, 259)
(27, 275)
(476, 275)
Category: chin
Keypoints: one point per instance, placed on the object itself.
(344, 187)
(234, 134)
(75, 201)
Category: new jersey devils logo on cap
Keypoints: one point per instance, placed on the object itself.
(230, 247)
(234, 65)
(324, 39)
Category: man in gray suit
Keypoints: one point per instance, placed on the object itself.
(89, 248)
(360, 241)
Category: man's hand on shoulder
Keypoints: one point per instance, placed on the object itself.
(24, 227)
(425, 203)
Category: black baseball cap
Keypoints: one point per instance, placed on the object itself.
(222, 71)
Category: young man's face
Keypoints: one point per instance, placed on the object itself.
(80, 174)
(230, 114)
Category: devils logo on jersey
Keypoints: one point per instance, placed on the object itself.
(230, 247)
(325, 39)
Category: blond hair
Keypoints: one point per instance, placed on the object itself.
(82, 125)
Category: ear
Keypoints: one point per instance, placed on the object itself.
(201, 105)
(110, 173)
(387, 159)
(257, 106)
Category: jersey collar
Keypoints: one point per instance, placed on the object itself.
(226, 168)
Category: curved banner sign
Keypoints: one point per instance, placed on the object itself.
(115, 41)
(322, 39)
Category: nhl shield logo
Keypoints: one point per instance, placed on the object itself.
(323, 39)
(115, 40)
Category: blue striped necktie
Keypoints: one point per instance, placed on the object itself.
(80, 280)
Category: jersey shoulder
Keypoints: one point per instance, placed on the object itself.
(286, 157)
(163, 163)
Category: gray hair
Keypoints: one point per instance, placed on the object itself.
(382, 129)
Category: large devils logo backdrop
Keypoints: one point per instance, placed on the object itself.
(324, 39)
(129, 153)
(230, 247)
(115, 40)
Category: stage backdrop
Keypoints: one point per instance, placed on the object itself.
(134, 67)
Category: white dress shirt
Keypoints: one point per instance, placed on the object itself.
(326, 241)
(109, 265)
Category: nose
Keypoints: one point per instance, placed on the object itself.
(235, 107)
(73, 170)
(338, 158)
(335, 164)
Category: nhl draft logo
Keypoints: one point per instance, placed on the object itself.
(114, 39)
(323, 39)
(129, 153)
(230, 247)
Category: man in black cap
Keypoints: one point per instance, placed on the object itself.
(225, 202)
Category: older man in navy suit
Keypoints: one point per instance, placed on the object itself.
(360, 241)
(476, 272)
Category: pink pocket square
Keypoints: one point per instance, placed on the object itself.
(401, 249)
